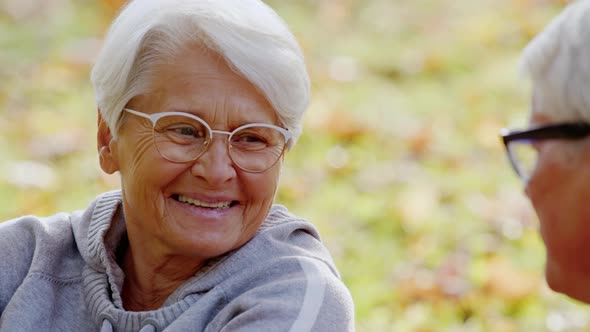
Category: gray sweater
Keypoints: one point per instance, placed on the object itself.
(60, 274)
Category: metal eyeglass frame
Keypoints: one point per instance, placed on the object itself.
(156, 116)
(566, 131)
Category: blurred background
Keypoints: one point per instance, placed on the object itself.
(400, 165)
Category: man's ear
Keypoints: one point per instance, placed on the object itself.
(105, 144)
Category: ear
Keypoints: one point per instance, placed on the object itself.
(105, 146)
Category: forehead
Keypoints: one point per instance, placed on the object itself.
(199, 81)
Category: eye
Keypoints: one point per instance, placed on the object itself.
(187, 131)
(249, 141)
(249, 138)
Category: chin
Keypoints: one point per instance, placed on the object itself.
(209, 245)
(568, 282)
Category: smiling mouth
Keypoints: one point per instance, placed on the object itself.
(201, 204)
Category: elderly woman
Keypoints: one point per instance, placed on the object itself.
(552, 156)
(198, 102)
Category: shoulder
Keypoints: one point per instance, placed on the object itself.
(285, 277)
(31, 245)
(288, 294)
(285, 234)
(29, 234)
(327, 303)
(287, 238)
(290, 230)
(36, 242)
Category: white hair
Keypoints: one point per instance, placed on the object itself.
(249, 35)
(558, 62)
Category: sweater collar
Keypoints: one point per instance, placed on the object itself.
(99, 232)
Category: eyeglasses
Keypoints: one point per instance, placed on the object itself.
(520, 143)
(181, 137)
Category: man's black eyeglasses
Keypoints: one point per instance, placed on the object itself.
(518, 143)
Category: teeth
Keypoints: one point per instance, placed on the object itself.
(220, 205)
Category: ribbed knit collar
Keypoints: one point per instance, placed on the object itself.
(103, 278)
(98, 233)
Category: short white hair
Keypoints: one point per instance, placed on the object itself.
(254, 41)
(557, 61)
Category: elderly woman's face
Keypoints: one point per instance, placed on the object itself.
(227, 205)
(559, 190)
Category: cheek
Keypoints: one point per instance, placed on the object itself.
(261, 186)
(544, 189)
(145, 174)
(552, 175)
(141, 154)
(560, 194)
(260, 189)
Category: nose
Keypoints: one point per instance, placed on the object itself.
(215, 166)
(527, 189)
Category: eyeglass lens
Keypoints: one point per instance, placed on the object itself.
(524, 158)
(252, 148)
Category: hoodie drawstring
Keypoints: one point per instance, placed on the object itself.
(148, 328)
(106, 326)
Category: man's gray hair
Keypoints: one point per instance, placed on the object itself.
(558, 62)
(249, 35)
